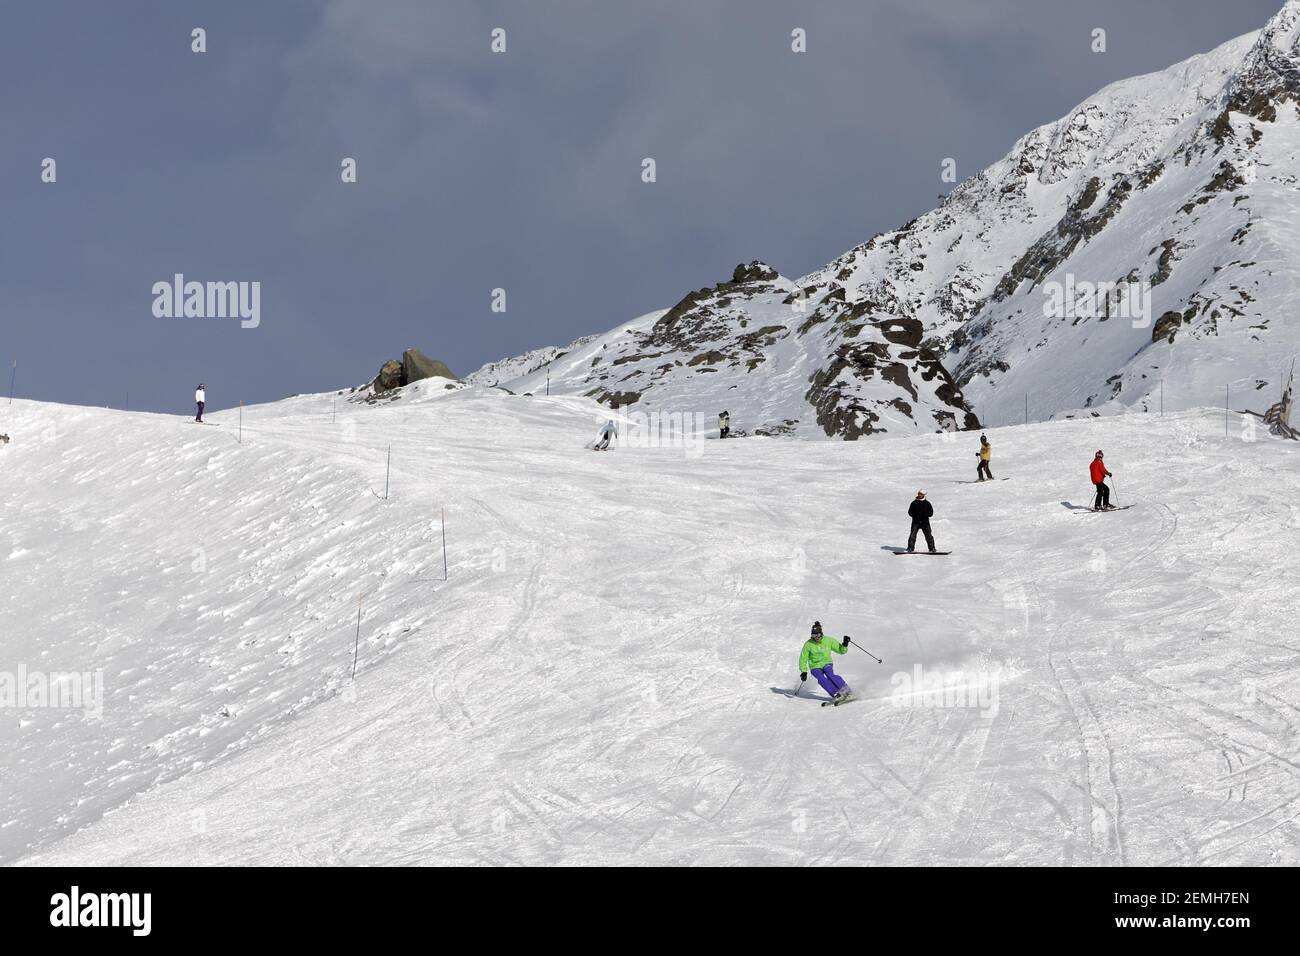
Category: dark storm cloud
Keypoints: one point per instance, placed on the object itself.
(478, 170)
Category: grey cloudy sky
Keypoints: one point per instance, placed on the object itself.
(479, 171)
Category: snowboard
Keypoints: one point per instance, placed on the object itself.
(934, 553)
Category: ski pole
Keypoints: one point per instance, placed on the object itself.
(1115, 486)
(867, 652)
(797, 689)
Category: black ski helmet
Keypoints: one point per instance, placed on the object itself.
(817, 629)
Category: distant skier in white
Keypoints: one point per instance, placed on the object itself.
(200, 399)
(610, 431)
(724, 424)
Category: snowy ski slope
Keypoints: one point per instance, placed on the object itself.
(604, 677)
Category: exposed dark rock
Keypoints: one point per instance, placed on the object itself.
(896, 374)
(615, 399)
(416, 366)
(708, 358)
(1075, 227)
(754, 272)
(901, 331)
(389, 377)
(1165, 267)
(1166, 326)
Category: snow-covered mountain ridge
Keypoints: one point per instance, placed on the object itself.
(1181, 185)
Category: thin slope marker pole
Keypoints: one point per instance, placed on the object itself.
(356, 644)
(387, 470)
(444, 544)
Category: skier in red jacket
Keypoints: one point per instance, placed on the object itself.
(1097, 470)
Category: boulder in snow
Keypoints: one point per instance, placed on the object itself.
(417, 366)
(390, 376)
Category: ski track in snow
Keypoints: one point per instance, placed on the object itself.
(605, 676)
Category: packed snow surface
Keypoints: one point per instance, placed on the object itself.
(605, 675)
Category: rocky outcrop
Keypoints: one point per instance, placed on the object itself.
(1172, 193)
(417, 366)
(754, 272)
(389, 377)
(1270, 74)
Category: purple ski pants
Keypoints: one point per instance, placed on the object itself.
(831, 682)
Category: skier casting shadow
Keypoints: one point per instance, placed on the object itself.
(815, 658)
(920, 511)
(1097, 471)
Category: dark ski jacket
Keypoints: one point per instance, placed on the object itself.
(920, 510)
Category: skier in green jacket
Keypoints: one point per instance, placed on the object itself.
(816, 657)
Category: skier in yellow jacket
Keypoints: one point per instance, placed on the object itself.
(816, 657)
(984, 455)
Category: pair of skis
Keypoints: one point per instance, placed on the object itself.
(843, 700)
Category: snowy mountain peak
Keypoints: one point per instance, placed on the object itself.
(1160, 210)
(782, 360)
(1270, 72)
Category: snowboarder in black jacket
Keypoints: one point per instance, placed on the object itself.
(920, 511)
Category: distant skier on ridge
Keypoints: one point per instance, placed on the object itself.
(816, 657)
(984, 455)
(200, 399)
(1097, 471)
(920, 511)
